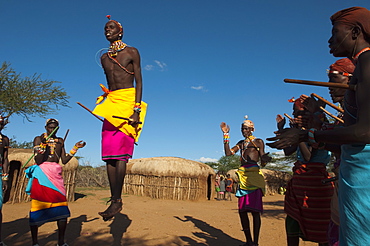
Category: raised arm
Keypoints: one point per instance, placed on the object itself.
(228, 151)
(66, 157)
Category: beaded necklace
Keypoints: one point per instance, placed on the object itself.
(116, 47)
(113, 50)
(355, 58)
(51, 142)
(246, 142)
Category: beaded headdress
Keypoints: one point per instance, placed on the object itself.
(117, 23)
(248, 123)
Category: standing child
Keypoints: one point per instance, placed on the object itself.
(229, 187)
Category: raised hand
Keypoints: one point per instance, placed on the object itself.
(224, 128)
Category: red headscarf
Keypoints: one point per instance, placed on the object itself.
(354, 16)
(343, 65)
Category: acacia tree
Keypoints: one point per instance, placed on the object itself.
(29, 96)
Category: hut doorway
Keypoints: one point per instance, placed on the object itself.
(209, 187)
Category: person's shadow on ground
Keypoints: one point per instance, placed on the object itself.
(210, 234)
(118, 227)
(13, 230)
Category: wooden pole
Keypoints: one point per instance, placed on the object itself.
(331, 115)
(328, 103)
(89, 111)
(317, 83)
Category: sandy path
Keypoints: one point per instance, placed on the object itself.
(145, 221)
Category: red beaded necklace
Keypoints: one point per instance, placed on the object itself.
(355, 58)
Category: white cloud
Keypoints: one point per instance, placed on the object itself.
(162, 65)
(149, 67)
(197, 87)
(207, 159)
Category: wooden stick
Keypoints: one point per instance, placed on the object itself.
(328, 103)
(123, 118)
(317, 83)
(288, 116)
(65, 136)
(291, 120)
(89, 111)
(331, 115)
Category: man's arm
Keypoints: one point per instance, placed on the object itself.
(39, 154)
(5, 155)
(138, 82)
(265, 158)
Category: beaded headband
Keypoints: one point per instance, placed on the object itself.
(117, 23)
(248, 123)
(50, 121)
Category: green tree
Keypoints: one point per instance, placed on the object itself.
(281, 162)
(225, 163)
(20, 145)
(29, 96)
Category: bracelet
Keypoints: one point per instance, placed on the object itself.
(40, 149)
(137, 108)
(226, 137)
(311, 135)
(73, 151)
(5, 176)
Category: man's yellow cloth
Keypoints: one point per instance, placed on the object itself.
(120, 103)
(251, 178)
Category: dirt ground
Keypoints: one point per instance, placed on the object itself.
(145, 221)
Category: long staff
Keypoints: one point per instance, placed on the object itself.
(89, 111)
(318, 83)
(51, 134)
(328, 103)
(331, 115)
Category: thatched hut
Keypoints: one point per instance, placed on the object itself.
(274, 179)
(18, 181)
(169, 178)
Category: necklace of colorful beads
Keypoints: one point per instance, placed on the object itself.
(51, 142)
(355, 58)
(115, 47)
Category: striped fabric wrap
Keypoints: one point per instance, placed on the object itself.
(307, 200)
(46, 188)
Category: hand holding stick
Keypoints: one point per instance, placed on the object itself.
(123, 118)
(328, 103)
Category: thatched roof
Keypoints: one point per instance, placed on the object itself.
(169, 166)
(23, 155)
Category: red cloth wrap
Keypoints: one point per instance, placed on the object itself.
(343, 65)
(354, 16)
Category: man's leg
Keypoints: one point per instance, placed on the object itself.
(246, 228)
(62, 225)
(34, 231)
(116, 171)
(256, 226)
(292, 231)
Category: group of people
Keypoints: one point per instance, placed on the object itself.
(317, 209)
(224, 186)
(329, 211)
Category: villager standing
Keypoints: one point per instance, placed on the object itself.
(46, 185)
(251, 185)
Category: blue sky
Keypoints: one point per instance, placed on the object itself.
(203, 62)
